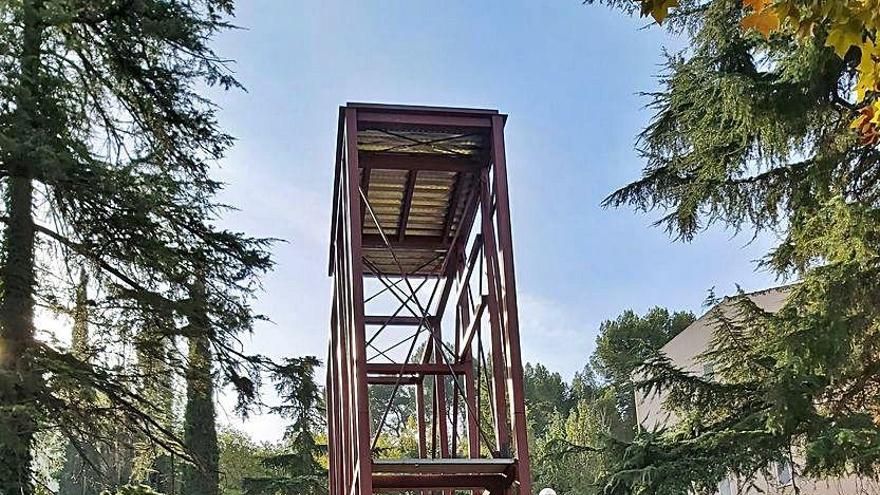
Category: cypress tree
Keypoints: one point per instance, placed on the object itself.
(155, 351)
(199, 422)
(295, 469)
(753, 134)
(100, 117)
(78, 475)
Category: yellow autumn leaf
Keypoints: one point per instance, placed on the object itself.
(868, 69)
(764, 22)
(863, 118)
(842, 37)
(658, 9)
(756, 5)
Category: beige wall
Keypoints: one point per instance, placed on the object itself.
(846, 486)
(684, 350)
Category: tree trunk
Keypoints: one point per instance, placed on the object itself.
(200, 430)
(19, 382)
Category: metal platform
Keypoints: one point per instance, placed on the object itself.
(457, 466)
(492, 475)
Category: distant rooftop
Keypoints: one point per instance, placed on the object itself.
(770, 300)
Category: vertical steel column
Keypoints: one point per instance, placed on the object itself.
(514, 357)
(329, 395)
(502, 435)
(345, 376)
(340, 355)
(440, 393)
(355, 263)
(420, 420)
(472, 413)
(463, 309)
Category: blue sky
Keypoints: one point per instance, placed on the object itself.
(569, 77)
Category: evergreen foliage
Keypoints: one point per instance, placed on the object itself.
(202, 477)
(153, 464)
(106, 153)
(240, 457)
(132, 490)
(624, 344)
(78, 476)
(753, 133)
(548, 396)
(579, 431)
(582, 447)
(296, 468)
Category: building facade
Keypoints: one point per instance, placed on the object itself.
(684, 351)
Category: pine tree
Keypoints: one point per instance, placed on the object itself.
(753, 133)
(296, 469)
(99, 116)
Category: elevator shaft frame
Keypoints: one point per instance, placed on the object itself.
(421, 219)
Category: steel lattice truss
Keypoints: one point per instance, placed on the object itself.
(424, 304)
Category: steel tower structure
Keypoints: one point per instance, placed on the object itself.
(424, 299)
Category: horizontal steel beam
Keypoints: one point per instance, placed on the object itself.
(395, 320)
(414, 369)
(449, 466)
(396, 108)
(394, 380)
(367, 118)
(373, 242)
(417, 161)
(403, 482)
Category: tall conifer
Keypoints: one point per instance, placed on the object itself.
(79, 475)
(199, 422)
(296, 468)
(101, 120)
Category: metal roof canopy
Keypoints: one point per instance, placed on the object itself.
(419, 170)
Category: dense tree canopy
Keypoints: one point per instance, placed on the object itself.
(295, 469)
(241, 457)
(625, 343)
(754, 133)
(548, 395)
(848, 26)
(106, 151)
(579, 430)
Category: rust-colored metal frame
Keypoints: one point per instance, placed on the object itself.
(478, 257)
